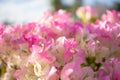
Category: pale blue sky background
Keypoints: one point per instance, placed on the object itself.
(19, 11)
(22, 10)
(106, 2)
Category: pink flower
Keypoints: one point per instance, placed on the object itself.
(112, 16)
(107, 34)
(2, 28)
(53, 75)
(38, 53)
(39, 66)
(57, 50)
(49, 32)
(20, 74)
(57, 24)
(111, 70)
(60, 48)
(70, 46)
(86, 14)
(58, 18)
(94, 49)
(72, 70)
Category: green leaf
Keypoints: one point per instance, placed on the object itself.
(2, 70)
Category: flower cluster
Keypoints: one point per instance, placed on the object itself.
(59, 47)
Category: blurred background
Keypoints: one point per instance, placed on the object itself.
(23, 11)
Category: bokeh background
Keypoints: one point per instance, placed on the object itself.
(24, 11)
